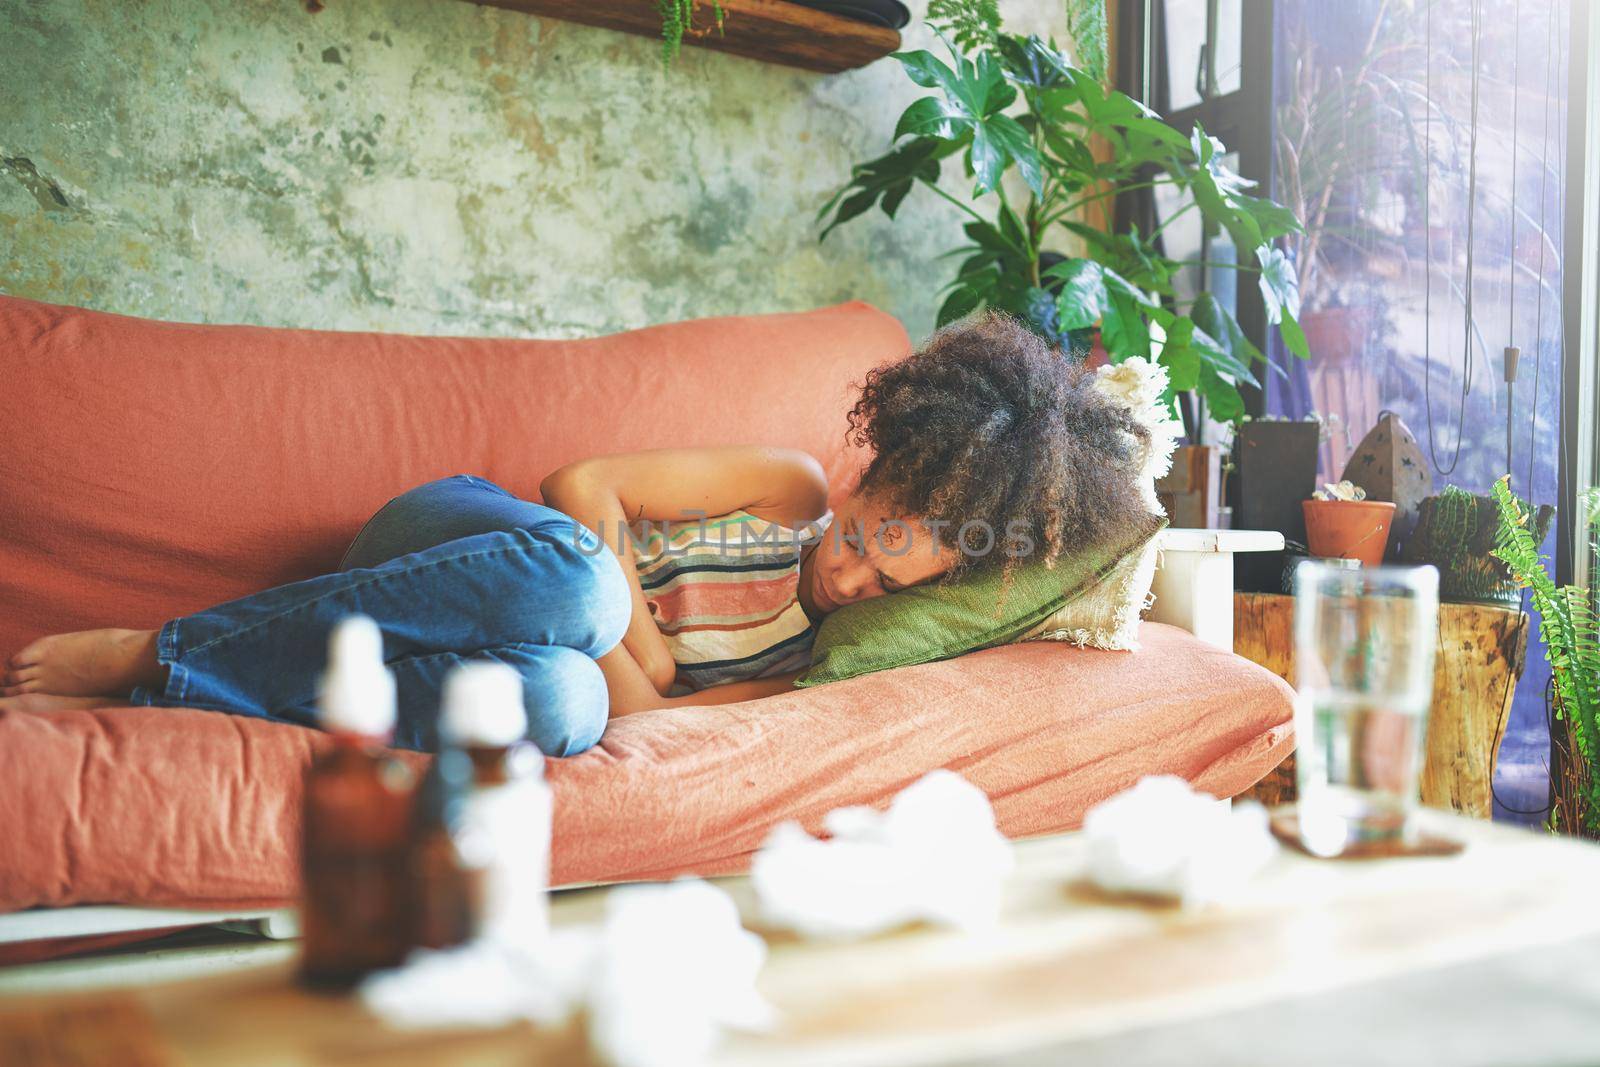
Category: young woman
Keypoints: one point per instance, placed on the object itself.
(986, 444)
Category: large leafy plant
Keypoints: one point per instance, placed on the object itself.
(1571, 632)
(1009, 105)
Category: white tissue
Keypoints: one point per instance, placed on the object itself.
(657, 981)
(1163, 839)
(484, 983)
(674, 967)
(935, 855)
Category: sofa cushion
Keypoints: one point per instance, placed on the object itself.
(184, 807)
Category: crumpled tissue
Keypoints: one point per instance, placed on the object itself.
(1163, 839)
(656, 982)
(935, 855)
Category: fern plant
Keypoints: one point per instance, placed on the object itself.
(677, 19)
(969, 23)
(1571, 632)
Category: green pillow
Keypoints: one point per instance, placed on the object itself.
(938, 621)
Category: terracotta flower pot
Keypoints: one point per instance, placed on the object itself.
(1348, 529)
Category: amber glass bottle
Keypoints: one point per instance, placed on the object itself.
(480, 849)
(358, 802)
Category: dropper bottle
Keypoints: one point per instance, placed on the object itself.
(358, 800)
(480, 855)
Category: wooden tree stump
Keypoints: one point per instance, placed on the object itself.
(1482, 652)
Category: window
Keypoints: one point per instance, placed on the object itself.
(1425, 145)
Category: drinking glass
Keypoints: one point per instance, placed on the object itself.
(1364, 647)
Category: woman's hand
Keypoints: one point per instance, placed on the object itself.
(631, 691)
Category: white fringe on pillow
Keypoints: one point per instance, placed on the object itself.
(1107, 614)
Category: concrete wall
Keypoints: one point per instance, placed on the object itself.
(435, 166)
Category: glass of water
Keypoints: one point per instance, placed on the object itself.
(1364, 647)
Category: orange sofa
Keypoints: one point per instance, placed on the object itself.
(148, 469)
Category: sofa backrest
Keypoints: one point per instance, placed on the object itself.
(148, 469)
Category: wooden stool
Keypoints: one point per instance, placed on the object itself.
(1482, 652)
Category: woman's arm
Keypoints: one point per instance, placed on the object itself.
(631, 691)
(607, 493)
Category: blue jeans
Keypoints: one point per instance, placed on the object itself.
(454, 570)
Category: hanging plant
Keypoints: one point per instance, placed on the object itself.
(677, 19)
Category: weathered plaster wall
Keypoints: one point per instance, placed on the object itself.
(435, 166)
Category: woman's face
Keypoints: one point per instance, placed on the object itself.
(867, 552)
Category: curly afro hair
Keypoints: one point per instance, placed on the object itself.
(988, 423)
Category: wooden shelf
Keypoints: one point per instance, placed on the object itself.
(773, 31)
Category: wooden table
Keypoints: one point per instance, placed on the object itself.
(1066, 968)
(1482, 652)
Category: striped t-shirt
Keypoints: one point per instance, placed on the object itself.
(724, 593)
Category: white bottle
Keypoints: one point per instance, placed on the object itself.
(357, 696)
(506, 819)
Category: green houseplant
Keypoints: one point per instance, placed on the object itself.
(1571, 632)
(1123, 282)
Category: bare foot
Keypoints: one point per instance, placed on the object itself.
(50, 702)
(86, 663)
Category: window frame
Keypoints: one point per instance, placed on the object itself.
(1243, 120)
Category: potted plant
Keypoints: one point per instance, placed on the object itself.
(1459, 533)
(1122, 283)
(1341, 523)
(1571, 634)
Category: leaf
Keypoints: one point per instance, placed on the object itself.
(1082, 299)
(1221, 396)
(892, 196)
(1273, 219)
(981, 87)
(930, 117)
(1039, 309)
(1141, 131)
(1031, 62)
(1103, 108)
(1279, 287)
(1294, 338)
(1183, 366)
(1117, 282)
(958, 305)
(888, 177)
(1014, 141)
(1012, 232)
(1218, 323)
(993, 240)
(1072, 150)
(1214, 205)
(1123, 329)
(925, 68)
